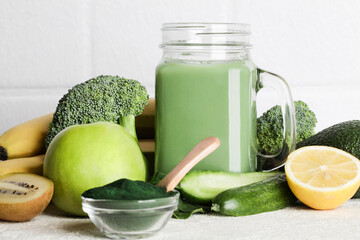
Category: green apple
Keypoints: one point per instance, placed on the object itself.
(86, 156)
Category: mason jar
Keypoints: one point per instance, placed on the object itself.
(206, 85)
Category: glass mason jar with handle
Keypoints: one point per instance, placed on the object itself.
(206, 85)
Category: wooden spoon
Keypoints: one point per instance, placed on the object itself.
(199, 152)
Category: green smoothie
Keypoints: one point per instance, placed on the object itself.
(195, 101)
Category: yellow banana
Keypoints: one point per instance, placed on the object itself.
(27, 165)
(26, 139)
(147, 145)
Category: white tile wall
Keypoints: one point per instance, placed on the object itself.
(47, 46)
(43, 43)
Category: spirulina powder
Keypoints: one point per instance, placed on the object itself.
(125, 189)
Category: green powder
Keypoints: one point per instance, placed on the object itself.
(125, 189)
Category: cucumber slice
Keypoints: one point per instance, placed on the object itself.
(202, 186)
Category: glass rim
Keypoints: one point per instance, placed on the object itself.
(172, 194)
(130, 205)
(231, 27)
(205, 34)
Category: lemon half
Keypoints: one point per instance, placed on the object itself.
(322, 177)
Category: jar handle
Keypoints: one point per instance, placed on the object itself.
(273, 162)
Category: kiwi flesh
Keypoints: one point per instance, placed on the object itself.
(23, 196)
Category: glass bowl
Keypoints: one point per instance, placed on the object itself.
(130, 218)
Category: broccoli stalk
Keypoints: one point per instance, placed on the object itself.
(270, 127)
(128, 122)
(104, 98)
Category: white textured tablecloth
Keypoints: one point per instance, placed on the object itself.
(298, 222)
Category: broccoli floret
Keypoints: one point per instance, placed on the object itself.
(270, 127)
(104, 98)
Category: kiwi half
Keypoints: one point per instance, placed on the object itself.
(23, 196)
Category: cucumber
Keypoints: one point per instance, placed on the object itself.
(265, 196)
(202, 186)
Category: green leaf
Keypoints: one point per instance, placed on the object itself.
(157, 177)
(185, 209)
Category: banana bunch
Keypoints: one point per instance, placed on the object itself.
(23, 146)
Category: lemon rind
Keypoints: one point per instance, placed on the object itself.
(351, 182)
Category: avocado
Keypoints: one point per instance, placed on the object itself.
(344, 135)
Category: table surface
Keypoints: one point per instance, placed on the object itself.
(296, 222)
